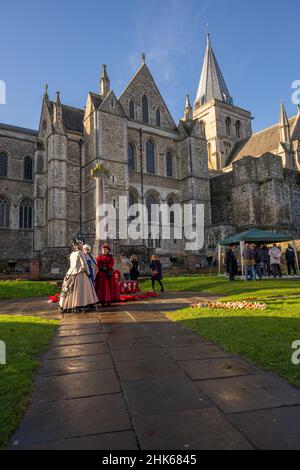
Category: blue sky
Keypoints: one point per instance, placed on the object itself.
(64, 43)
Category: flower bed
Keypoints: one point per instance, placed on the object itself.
(245, 304)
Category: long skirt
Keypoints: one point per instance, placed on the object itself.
(77, 291)
(104, 287)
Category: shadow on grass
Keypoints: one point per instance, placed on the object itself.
(25, 341)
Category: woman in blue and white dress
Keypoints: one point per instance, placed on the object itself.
(77, 291)
(91, 262)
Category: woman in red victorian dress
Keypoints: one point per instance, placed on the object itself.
(104, 282)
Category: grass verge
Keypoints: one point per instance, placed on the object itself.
(25, 339)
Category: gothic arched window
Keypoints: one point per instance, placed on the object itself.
(131, 110)
(150, 201)
(131, 156)
(145, 109)
(169, 164)
(4, 212)
(228, 126)
(3, 164)
(131, 200)
(211, 242)
(25, 214)
(158, 118)
(28, 168)
(150, 157)
(153, 218)
(238, 129)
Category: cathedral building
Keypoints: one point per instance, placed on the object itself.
(48, 192)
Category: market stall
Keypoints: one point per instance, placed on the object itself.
(253, 236)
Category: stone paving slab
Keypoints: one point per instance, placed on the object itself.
(72, 418)
(149, 368)
(84, 384)
(253, 392)
(201, 351)
(94, 330)
(145, 317)
(166, 389)
(82, 325)
(272, 429)
(124, 440)
(217, 368)
(79, 364)
(116, 318)
(120, 355)
(135, 331)
(82, 339)
(147, 397)
(180, 339)
(77, 350)
(204, 429)
(131, 343)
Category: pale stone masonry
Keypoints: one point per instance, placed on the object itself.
(210, 157)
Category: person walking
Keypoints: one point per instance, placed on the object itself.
(134, 272)
(231, 263)
(249, 263)
(290, 258)
(275, 260)
(156, 272)
(77, 291)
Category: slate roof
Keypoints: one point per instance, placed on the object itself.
(96, 99)
(212, 84)
(257, 144)
(23, 130)
(72, 117)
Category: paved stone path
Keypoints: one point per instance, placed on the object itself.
(128, 378)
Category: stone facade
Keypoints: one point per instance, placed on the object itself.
(244, 180)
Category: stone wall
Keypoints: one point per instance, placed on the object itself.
(16, 143)
(221, 199)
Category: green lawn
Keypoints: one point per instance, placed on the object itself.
(25, 338)
(221, 285)
(263, 337)
(26, 289)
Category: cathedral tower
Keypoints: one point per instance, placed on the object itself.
(223, 123)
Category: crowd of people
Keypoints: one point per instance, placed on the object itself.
(260, 261)
(91, 281)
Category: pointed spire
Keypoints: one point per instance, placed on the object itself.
(104, 83)
(57, 115)
(284, 126)
(188, 111)
(212, 84)
(46, 96)
(143, 58)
